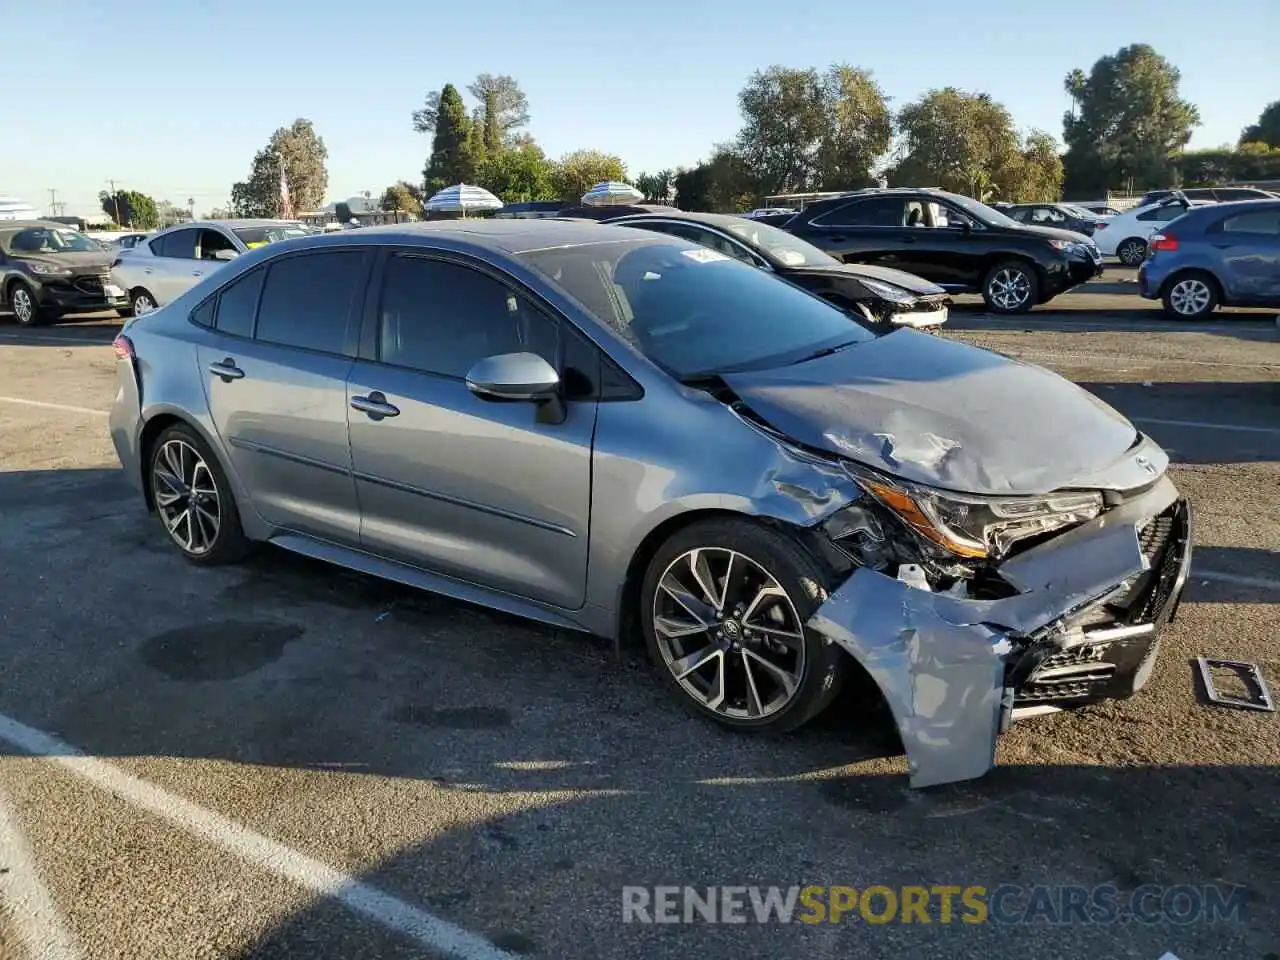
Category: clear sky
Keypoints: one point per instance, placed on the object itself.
(173, 97)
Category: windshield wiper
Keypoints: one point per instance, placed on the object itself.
(824, 352)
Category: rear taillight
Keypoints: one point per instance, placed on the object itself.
(1163, 241)
(1101, 226)
(122, 347)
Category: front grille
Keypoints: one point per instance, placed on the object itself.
(89, 285)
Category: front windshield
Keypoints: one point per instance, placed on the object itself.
(780, 245)
(694, 311)
(983, 213)
(258, 236)
(47, 240)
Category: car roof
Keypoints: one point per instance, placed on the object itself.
(237, 224)
(32, 224)
(509, 237)
(713, 219)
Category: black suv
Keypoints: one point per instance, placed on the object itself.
(48, 269)
(960, 244)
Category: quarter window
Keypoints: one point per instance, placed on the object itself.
(442, 317)
(238, 304)
(307, 300)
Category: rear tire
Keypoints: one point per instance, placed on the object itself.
(1191, 296)
(26, 308)
(1132, 251)
(1011, 287)
(141, 302)
(754, 667)
(193, 498)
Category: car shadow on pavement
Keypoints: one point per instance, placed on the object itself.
(60, 335)
(1259, 326)
(535, 885)
(1255, 573)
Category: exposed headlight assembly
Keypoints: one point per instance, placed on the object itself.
(888, 291)
(974, 526)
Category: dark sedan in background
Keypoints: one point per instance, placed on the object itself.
(1224, 254)
(47, 269)
(956, 242)
(879, 295)
(1061, 216)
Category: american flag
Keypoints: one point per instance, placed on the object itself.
(286, 205)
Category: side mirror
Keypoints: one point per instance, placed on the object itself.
(514, 376)
(519, 376)
(225, 255)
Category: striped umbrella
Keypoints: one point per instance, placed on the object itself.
(462, 197)
(611, 193)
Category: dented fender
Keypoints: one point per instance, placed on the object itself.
(940, 660)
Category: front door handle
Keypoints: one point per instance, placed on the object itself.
(908, 238)
(226, 369)
(837, 237)
(197, 273)
(375, 405)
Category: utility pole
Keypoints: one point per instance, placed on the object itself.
(53, 202)
(115, 200)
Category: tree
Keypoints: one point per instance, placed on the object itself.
(859, 127)
(1266, 130)
(503, 105)
(784, 120)
(517, 175)
(303, 154)
(1032, 173)
(656, 187)
(402, 197)
(219, 213)
(958, 141)
(1127, 123)
(342, 212)
(693, 187)
(451, 158)
(130, 208)
(506, 108)
(575, 173)
(803, 129)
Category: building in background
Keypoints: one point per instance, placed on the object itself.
(12, 208)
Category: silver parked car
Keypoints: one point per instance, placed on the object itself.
(614, 430)
(156, 269)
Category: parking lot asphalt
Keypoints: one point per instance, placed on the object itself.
(282, 759)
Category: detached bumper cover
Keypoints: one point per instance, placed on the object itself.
(951, 668)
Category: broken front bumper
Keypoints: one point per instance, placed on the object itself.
(1083, 626)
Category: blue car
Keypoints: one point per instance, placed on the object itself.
(1224, 254)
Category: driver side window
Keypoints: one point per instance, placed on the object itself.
(210, 242)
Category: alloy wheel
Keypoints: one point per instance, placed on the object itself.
(1190, 297)
(143, 304)
(186, 495)
(1132, 252)
(1009, 288)
(729, 633)
(24, 307)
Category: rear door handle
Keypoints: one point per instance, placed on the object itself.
(837, 237)
(375, 405)
(908, 238)
(227, 370)
(197, 273)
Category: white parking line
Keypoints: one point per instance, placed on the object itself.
(46, 405)
(393, 913)
(1239, 580)
(1202, 425)
(72, 341)
(24, 896)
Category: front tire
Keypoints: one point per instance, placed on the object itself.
(1191, 296)
(723, 608)
(1132, 251)
(1011, 287)
(193, 498)
(26, 309)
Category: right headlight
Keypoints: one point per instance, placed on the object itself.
(888, 290)
(979, 527)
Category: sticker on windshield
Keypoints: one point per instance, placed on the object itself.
(704, 255)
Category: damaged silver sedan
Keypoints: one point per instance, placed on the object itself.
(616, 432)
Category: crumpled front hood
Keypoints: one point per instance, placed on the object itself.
(939, 412)
(78, 263)
(899, 278)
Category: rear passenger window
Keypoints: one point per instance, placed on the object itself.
(181, 244)
(878, 212)
(239, 303)
(307, 300)
(1265, 222)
